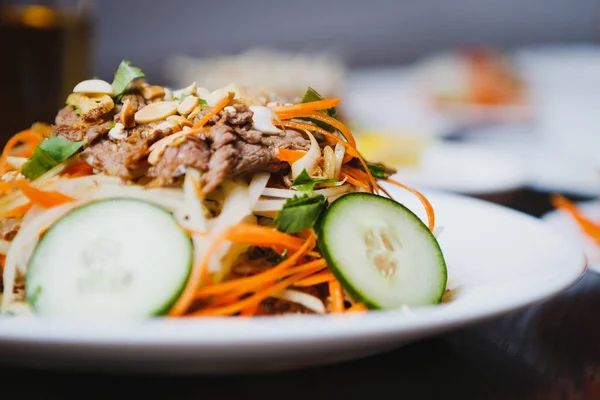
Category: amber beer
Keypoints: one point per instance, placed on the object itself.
(44, 52)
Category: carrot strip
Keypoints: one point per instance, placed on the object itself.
(289, 156)
(192, 232)
(337, 296)
(18, 211)
(353, 181)
(42, 198)
(243, 233)
(80, 168)
(322, 277)
(336, 124)
(214, 111)
(304, 107)
(358, 307)
(252, 281)
(259, 296)
(590, 228)
(27, 136)
(249, 311)
(426, 204)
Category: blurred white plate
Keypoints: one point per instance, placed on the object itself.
(464, 168)
(496, 260)
(567, 226)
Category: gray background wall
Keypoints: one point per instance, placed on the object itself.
(364, 32)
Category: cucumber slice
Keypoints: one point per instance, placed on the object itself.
(117, 258)
(381, 252)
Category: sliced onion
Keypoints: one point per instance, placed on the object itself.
(4, 246)
(155, 196)
(309, 161)
(307, 300)
(268, 205)
(328, 162)
(192, 213)
(23, 245)
(340, 152)
(257, 187)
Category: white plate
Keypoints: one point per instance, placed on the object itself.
(498, 259)
(567, 226)
(465, 168)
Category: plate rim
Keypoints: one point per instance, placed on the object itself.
(25, 330)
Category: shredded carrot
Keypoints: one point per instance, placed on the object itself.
(80, 168)
(18, 211)
(42, 198)
(322, 277)
(31, 138)
(296, 109)
(589, 227)
(243, 233)
(358, 307)
(426, 204)
(259, 296)
(337, 296)
(266, 276)
(336, 124)
(289, 156)
(214, 111)
(249, 311)
(353, 181)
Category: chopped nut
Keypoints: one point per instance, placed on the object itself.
(118, 132)
(168, 94)
(155, 112)
(194, 113)
(187, 105)
(153, 92)
(91, 106)
(186, 91)
(158, 148)
(179, 120)
(128, 114)
(94, 86)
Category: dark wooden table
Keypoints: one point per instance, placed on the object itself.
(548, 351)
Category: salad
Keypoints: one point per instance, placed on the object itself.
(143, 201)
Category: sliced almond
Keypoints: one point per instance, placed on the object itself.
(155, 112)
(194, 113)
(262, 120)
(128, 114)
(153, 92)
(179, 120)
(187, 105)
(118, 132)
(94, 86)
(158, 148)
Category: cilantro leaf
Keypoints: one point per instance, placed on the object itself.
(111, 125)
(202, 102)
(126, 73)
(49, 153)
(300, 213)
(77, 110)
(305, 183)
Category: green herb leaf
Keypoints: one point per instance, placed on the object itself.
(126, 73)
(300, 213)
(203, 102)
(312, 95)
(377, 170)
(77, 110)
(305, 183)
(111, 125)
(49, 153)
